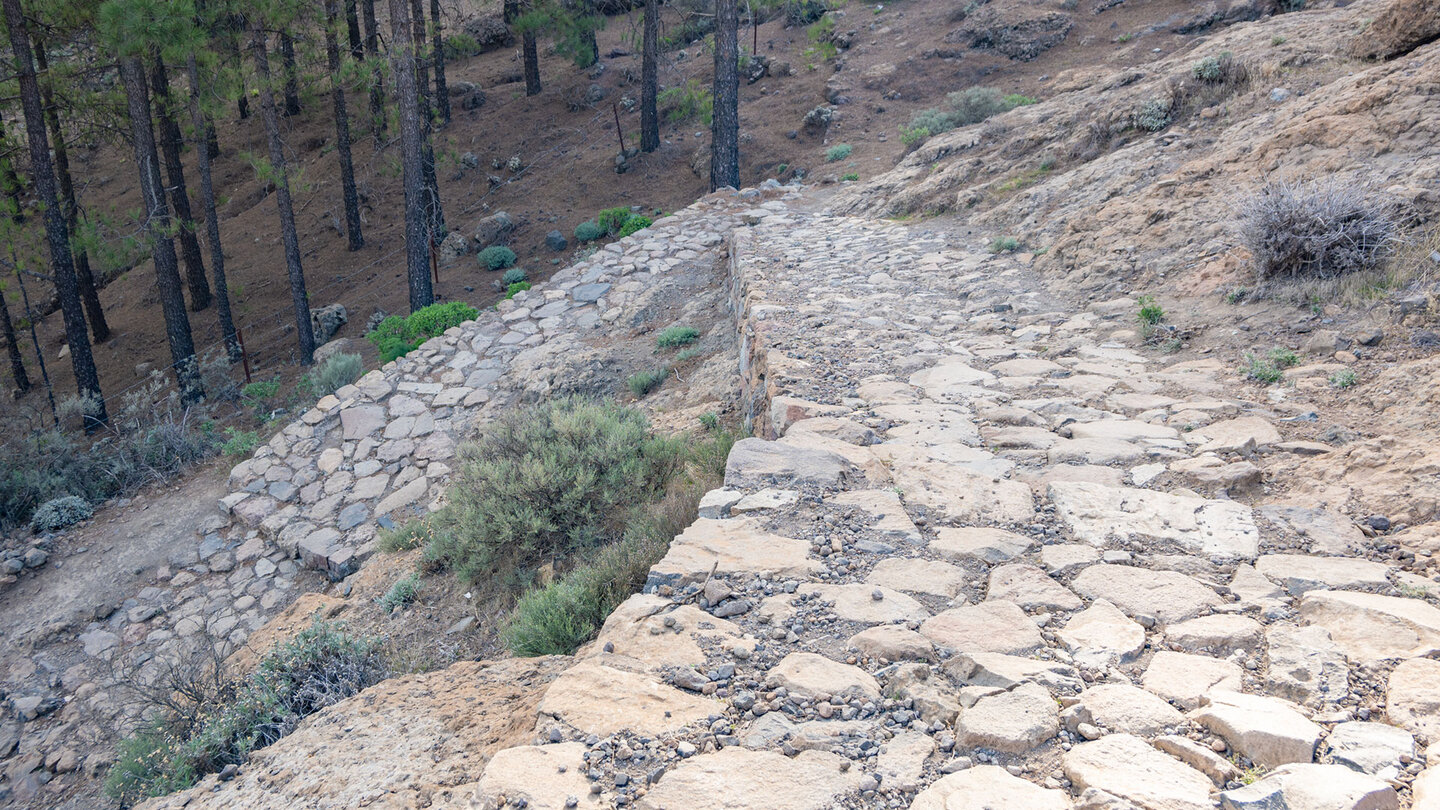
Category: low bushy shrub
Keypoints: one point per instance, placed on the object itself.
(396, 337)
(963, 108)
(57, 513)
(1318, 230)
(319, 667)
(1269, 369)
(588, 232)
(611, 220)
(839, 151)
(1152, 115)
(496, 257)
(677, 336)
(517, 287)
(335, 372)
(690, 100)
(637, 222)
(405, 590)
(543, 481)
(239, 442)
(1003, 244)
(514, 275)
(643, 382)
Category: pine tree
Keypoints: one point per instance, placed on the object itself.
(442, 89)
(649, 79)
(12, 346)
(377, 73)
(170, 143)
(529, 49)
(725, 122)
(291, 72)
(270, 115)
(434, 212)
(342, 129)
(402, 55)
(87, 379)
(9, 179)
(220, 289)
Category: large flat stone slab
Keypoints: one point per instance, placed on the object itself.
(732, 547)
(1299, 573)
(1370, 627)
(1101, 635)
(857, 603)
(1098, 514)
(1030, 588)
(1269, 731)
(756, 463)
(1185, 679)
(809, 674)
(1312, 787)
(1014, 721)
(918, 576)
(964, 495)
(545, 777)
(1166, 595)
(979, 543)
(987, 627)
(736, 778)
(1128, 767)
(1412, 698)
(599, 699)
(988, 787)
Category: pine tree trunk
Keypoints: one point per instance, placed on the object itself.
(12, 347)
(434, 213)
(157, 225)
(352, 31)
(89, 295)
(725, 124)
(402, 55)
(442, 88)
(342, 132)
(292, 74)
(212, 139)
(288, 235)
(649, 79)
(377, 80)
(528, 47)
(87, 380)
(30, 318)
(212, 223)
(170, 143)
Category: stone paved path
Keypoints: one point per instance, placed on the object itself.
(988, 553)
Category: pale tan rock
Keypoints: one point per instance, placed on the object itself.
(988, 787)
(808, 674)
(1412, 698)
(1425, 790)
(891, 520)
(1124, 430)
(979, 543)
(1306, 666)
(1220, 634)
(1126, 766)
(1269, 731)
(964, 495)
(754, 463)
(949, 373)
(1122, 708)
(546, 777)
(1098, 515)
(918, 576)
(987, 627)
(1299, 573)
(1200, 757)
(600, 699)
(1313, 787)
(901, 762)
(857, 603)
(1066, 557)
(1167, 595)
(1184, 679)
(998, 670)
(1243, 435)
(1375, 748)
(735, 777)
(1014, 721)
(735, 546)
(893, 643)
(1369, 627)
(637, 629)
(1030, 588)
(1101, 635)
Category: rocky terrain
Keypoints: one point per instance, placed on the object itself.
(992, 544)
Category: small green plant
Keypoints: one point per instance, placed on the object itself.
(637, 222)
(404, 591)
(643, 382)
(336, 372)
(690, 100)
(1208, 70)
(1277, 41)
(411, 535)
(850, 176)
(1344, 378)
(839, 151)
(58, 513)
(710, 420)
(239, 442)
(913, 135)
(677, 336)
(1269, 369)
(1151, 313)
(1125, 37)
(259, 393)
(514, 275)
(588, 231)
(1235, 295)
(1284, 358)
(1152, 115)
(396, 337)
(611, 220)
(1003, 244)
(496, 257)
(517, 287)
(821, 34)
(963, 108)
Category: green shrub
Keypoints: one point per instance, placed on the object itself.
(1152, 115)
(514, 275)
(588, 232)
(230, 719)
(1151, 313)
(965, 107)
(1003, 244)
(239, 442)
(57, 513)
(460, 45)
(336, 372)
(543, 481)
(259, 393)
(496, 257)
(1344, 378)
(914, 135)
(611, 220)
(396, 337)
(1207, 70)
(691, 100)
(517, 287)
(405, 590)
(1271, 368)
(839, 151)
(643, 382)
(635, 223)
(677, 336)
(1284, 358)
(849, 177)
